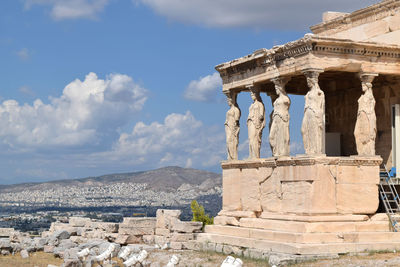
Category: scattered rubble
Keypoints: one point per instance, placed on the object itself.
(83, 241)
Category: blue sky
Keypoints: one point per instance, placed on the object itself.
(90, 87)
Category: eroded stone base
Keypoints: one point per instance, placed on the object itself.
(302, 185)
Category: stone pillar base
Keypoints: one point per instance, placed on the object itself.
(302, 185)
(302, 235)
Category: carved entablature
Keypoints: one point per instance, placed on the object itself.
(292, 58)
(302, 161)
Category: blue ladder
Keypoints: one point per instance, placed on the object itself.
(390, 198)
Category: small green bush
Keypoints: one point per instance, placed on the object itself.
(199, 214)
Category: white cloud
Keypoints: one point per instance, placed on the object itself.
(86, 113)
(204, 89)
(272, 14)
(23, 54)
(71, 9)
(180, 140)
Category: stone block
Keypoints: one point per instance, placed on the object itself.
(148, 239)
(394, 23)
(225, 220)
(297, 196)
(357, 199)
(108, 227)
(122, 239)
(271, 192)
(165, 217)
(6, 232)
(57, 226)
(219, 248)
(176, 245)
(388, 38)
(323, 194)
(78, 239)
(331, 227)
(160, 240)
(24, 254)
(187, 227)
(192, 245)
(380, 217)
(237, 213)
(128, 239)
(227, 230)
(145, 222)
(250, 190)
(134, 239)
(376, 226)
(273, 225)
(229, 250)
(135, 230)
(96, 234)
(163, 232)
(178, 237)
(48, 249)
(357, 174)
(231, 182)
(78, 221)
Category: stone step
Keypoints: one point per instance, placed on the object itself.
(300, 249)
(314, 218)
(303, 238)
(315, 227)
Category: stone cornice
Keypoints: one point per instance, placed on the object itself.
(366, 15)
(263, 61)
(312, 43)
(302, 161)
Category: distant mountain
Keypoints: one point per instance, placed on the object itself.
(166, 179)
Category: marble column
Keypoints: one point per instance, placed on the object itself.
(365, 129)
(232, 126)
(255, 123)
(313, 126)
(279, 136)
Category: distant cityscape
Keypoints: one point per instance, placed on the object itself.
(32, 208)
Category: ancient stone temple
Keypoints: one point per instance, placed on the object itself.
(325, 201)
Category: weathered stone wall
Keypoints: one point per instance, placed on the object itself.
(323, 185)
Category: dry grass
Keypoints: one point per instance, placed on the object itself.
(39, 259)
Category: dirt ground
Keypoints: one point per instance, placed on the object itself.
(205, 259)
(162, 257)
(372, 259)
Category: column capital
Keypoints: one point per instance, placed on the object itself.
(367, 77)
(252, 87)
(281, 80)
(312, 72)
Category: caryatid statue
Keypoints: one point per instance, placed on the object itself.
(279, 137)
(232, 126)
(313, 127)
(365, 129)
(255, 123)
